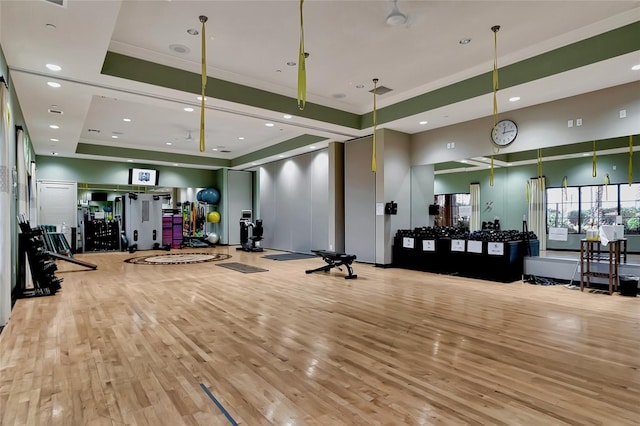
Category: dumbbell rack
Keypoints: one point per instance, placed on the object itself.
(31, 244)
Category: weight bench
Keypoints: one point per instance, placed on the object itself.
(335, 260)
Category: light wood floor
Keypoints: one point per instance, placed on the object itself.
(132, 344)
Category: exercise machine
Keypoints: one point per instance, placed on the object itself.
(250, 243)
(142, 214)
(335, 260)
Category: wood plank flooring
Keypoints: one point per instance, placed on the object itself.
(131, 345)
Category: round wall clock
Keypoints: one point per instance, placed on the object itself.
(504, 132)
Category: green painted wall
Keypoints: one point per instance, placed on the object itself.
(115, 173)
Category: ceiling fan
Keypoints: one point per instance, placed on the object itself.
(396, 18)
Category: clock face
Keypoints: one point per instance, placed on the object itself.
(504, 132)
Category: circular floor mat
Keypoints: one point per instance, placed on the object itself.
(177, 258)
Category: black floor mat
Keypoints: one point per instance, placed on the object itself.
(241, 267)
(289, 256)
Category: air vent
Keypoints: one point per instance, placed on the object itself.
(61, 3)
(93, 130)
(381, 90)
(55, 111)
(225, 151)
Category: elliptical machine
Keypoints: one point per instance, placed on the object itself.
(251, 244)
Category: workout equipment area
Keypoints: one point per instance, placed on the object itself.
(41, 250)
(335, 260)
(250, 243)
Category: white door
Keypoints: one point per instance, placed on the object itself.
(57, 205)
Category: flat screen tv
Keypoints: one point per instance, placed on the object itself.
(147, 177)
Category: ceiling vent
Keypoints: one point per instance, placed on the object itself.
(61, 3)
(225, 151)
(55, 111)
(381, 90)
(93, 130)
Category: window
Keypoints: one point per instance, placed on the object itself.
(577, 207)
(563, 209)
(599, 205)
(630, 207)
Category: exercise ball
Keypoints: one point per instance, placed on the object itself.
(213, 238)
(199, 195)
(210, 196)
(213, 217)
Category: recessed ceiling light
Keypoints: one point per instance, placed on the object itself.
(214, 149)
(312, 147)
(53, 84)
(176, 164)
(281, 156)
(585, 154)
(188, 109)
(291, 63)
(254, 164)
(54, 140)
(128, 120)
(269, 124)
(287, 116)
(193, 31)
(169, 143)
(463, 161)
(114, 136)
(179, 48)
(514, 98)
(464, 41)
(200, 98)
(53, 126)
(359, 86)
(241, 138)
(338, 96)
(130, 161)
(54, 67)
(422, 123)
(509, 164)
(54, 153)
(636, 67)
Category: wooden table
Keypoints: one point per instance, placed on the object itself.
(590, 253)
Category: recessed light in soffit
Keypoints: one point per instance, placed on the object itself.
(179, 48)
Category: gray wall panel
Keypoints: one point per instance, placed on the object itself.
(360, 199)
(319, 191)
(293, 202)
(240, 187)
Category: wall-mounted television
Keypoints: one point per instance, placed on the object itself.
(148, 177)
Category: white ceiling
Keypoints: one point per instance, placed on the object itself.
(250, 42)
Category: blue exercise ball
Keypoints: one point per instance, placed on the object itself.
(211, 196)
(199, 195)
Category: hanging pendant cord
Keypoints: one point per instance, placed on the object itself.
(374, 165)
(203, 20)
(302, 68)
(528, 192)
(630, 175)
(495, 30)
(540, 168)
(594, 161)
(565, 187)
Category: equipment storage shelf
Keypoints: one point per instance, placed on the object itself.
(496, 261)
